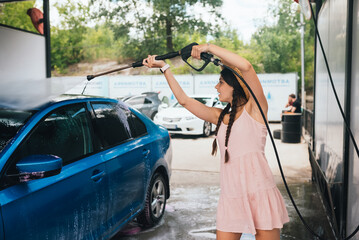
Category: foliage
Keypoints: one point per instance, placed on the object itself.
(118, 35)
(15, 14)
(279, 44)
(67, 41)
(100, 44)
(152, 26)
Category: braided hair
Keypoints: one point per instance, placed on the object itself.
(239, 99)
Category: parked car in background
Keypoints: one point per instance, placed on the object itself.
(80, 169)
(124, 98)
(147, 103)
(179, 120)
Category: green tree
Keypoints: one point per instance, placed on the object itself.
(278, 44)
(151, 26)
(66, 40)
(15, 14)
(100, 44)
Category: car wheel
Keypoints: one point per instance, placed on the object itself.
(153, 115)
(155, 202)
(207, 128)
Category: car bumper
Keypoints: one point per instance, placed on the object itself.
(191, 127)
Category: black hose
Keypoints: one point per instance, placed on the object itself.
(276, 153)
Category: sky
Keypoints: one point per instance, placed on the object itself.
(242, 15)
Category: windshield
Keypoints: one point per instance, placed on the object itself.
(204, 100)
(10, 123)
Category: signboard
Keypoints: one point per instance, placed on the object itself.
(96, 87)
(205, 84)
(121, 86)
(277, 87)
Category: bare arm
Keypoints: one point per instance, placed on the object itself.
(209, 114)
(241, 63)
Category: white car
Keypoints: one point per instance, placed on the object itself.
(179, 120)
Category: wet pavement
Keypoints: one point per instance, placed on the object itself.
(191, 212)
(191, 209)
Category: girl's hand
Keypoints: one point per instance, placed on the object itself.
(198, 49)
(151, 62)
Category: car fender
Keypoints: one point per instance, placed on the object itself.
(2, 233)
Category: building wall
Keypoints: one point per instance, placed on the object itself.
(332, 25)
(22, 55)
(353, 191)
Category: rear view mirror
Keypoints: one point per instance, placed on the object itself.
(37, 167)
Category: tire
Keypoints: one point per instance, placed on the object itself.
(153, 115)
(207, 129)
(156, 194)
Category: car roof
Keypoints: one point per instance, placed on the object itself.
(69, 97)
(150, 93)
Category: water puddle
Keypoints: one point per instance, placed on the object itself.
(210, 233)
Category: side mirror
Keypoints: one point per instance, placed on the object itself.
(36, 167)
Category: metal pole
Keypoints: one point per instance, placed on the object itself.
(46, 6)
(302, 56)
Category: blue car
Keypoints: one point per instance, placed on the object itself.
(80, 168)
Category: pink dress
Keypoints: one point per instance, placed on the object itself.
(249, 198)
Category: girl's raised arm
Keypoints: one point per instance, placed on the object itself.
(209, 114)
(241, 63)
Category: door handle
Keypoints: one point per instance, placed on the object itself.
(97, 175)
(145, 152)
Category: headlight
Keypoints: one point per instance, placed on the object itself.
(190, 118)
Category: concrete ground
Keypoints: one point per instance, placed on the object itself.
(191, 209)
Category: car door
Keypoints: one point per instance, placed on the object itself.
(70, 205)
(124, 156)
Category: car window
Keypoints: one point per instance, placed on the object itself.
(204, 100)
(177, 105)
(147, 101)
(111, 123)
(138, 128)
(65, 133)
(10, 123)
(136, 100)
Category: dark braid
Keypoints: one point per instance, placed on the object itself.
(230, 123)
(220, 119)
(239, 99)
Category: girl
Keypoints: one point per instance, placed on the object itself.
(249, 201)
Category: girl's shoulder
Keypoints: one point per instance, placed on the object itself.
(253, 110)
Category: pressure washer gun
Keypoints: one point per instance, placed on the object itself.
(185, 54)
